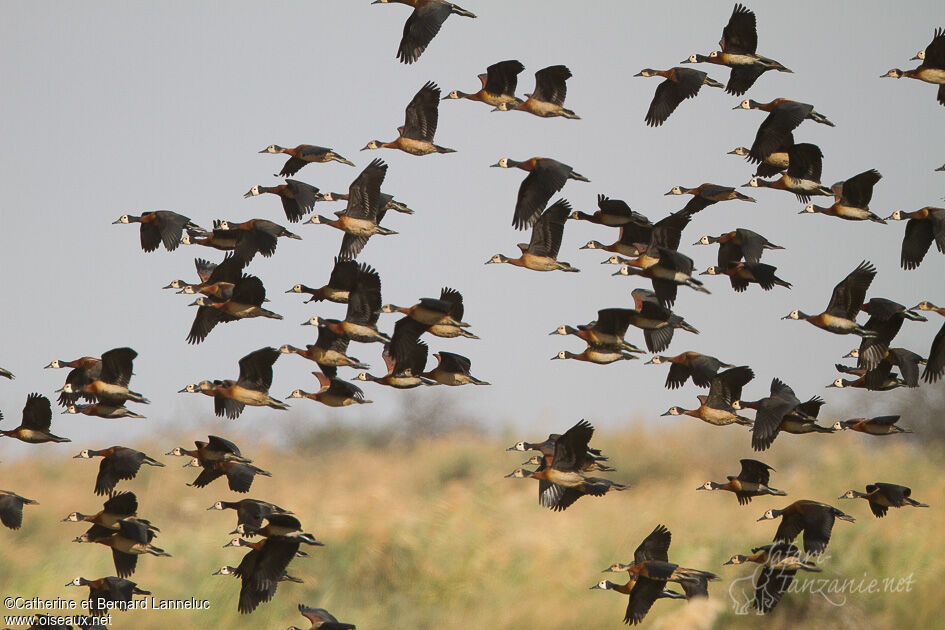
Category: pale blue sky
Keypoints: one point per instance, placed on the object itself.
(124, 107)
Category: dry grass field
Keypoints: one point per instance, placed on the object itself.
(425, 532)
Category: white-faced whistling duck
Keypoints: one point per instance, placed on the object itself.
(448, 331)
(880, 425)
(716, 408)
(117, 592)
(298, 198)
(343, 277)
(670, 270)
(389, 202)
(218, 238)
(245, 302)
(935, 367)
(215, 449)
(641, 238)
(252, 593)
(780, 563)
(782, 411)
(118, 506)
(561, 483)
(547, 448)
(34, 427)
(707, 194)
(781, 104)
(803, 174)
(854, 203)
(701, 367)
(845, 303)
(416, 136)
(541, 254)
(741, 274)
(628, 243)
(216, 281)
(607, 330)
(813, 518)
(547, 100)
(890, 382)
(83, 370)
(11, 508)
(601, 354)
(406, 360)
(612, 213)
(304, 154)
(774, 139)
(882, 496)
(428, 311)
(592, 463)
(545, 177)
(278, 524)
(498, 85)
(268, 560)
(131, 540)
(907, 361)
(160, 226)
(361, 219)
(118, 463)
(452, 369)
(328, 350)
(752, 481)
(110, 384)
(656, 321)
(364, 308)
(739, 43)
(249, 512)
(239, 475)
(333, 391)
(5, 373)
(738, 244)
(651, 570)
(924, 226)
(423, 25)
(322, 620)
(250, 388)
(932, 68)
(886, 318)
(680, 84)
(257, 236)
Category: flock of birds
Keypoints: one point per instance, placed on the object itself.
(226, 293)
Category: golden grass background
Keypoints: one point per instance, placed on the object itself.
(425, 532)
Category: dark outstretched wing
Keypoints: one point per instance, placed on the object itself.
(740, 35)
(848, 295)
(549, 230)
(642, 595)
(37, 413)
(550, 85)
(936, 364)
(858, 190)
(420, 29)
(753, 470)
(502, 77)
(655, 546)
(546, 179)
(422, 113)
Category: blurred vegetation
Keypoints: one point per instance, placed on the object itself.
(421, 528)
